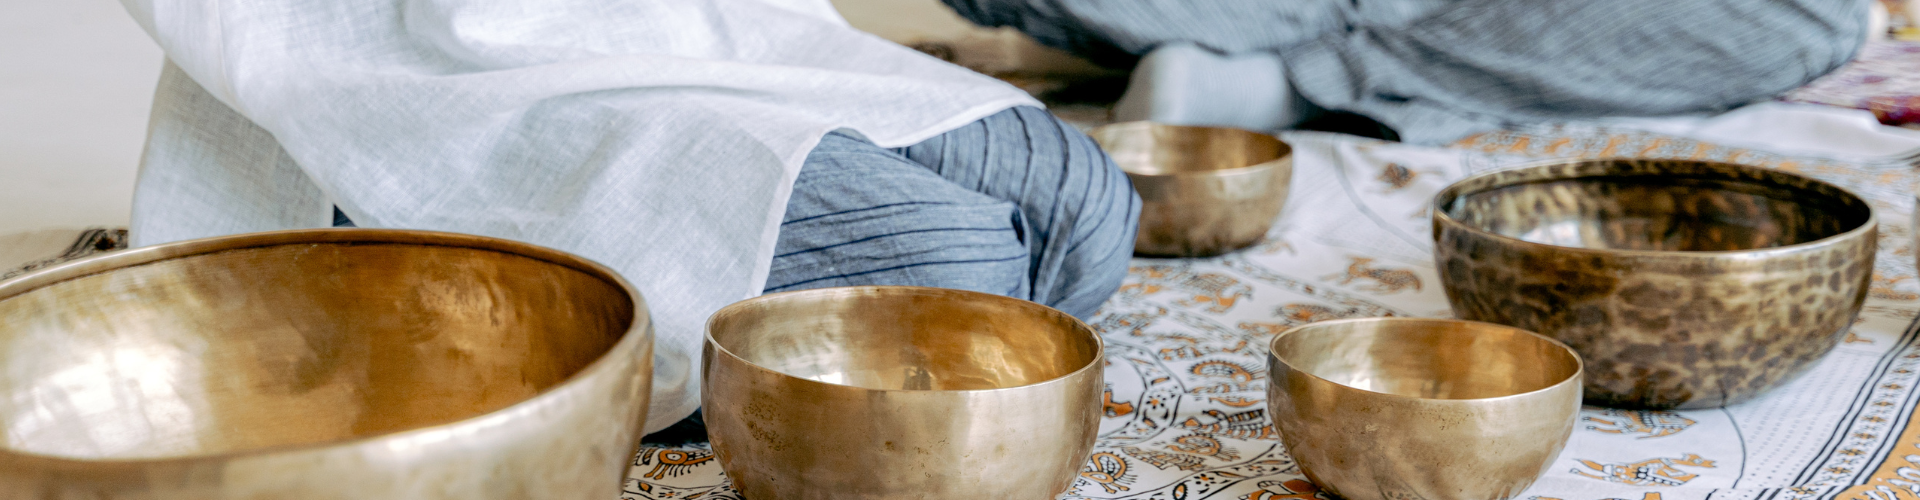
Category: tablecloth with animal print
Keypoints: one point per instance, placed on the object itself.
(1185, 412)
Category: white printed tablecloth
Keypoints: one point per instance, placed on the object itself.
(1185, 413)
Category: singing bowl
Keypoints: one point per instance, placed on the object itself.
(1204, 191)
(1439, 409)
(331, 364)
(900, 392)
(1683, 284)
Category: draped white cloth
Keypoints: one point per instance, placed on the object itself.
(660, 138)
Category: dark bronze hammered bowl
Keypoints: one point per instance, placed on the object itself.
(1683, 284)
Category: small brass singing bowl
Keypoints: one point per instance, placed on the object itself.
(322, 364)
(1683, 284)
(1204, 191)
(900, 392)
(1440, 409)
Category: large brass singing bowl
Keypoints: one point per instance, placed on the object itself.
(1683, 284)
(323, 364)
(1436, 409)
(1204, 190)
(900, 392)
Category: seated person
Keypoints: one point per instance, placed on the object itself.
(708, 150)
(1438, 70)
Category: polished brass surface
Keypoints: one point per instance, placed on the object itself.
(322, 364)
(1683, 284)
(1204, 190)
(900, 392)
(1435, 409)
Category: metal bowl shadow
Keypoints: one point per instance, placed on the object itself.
(900, 392)
(1204, 191)
(329, 364)
(1683, 284)
(1398, 408)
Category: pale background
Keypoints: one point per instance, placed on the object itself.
(77, 79)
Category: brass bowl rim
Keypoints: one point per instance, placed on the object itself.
(1575, 378)
(1286, 153)
(1440, 215)
(1249, 169)
(1099, 345)
(639, 327)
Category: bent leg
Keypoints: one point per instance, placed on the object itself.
(1114, 32)
(1080, 210)
(863, 215)
(1480, 65)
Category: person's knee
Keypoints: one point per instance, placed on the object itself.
(860, 215)
(1095, 215)
(1100, 244)
(964, 246)
(1078, 209)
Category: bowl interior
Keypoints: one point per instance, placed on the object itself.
(285, 345)
(902, 338)
(1157, 149)
(1692, 207)
(1432, 359)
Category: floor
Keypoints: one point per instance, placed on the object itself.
(19, 248)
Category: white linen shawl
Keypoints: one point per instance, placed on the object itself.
(658, 137)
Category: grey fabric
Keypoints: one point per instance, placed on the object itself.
(1114, 31)
(1018, 204)
(1436, 70)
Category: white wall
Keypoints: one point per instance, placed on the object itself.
(76, 80)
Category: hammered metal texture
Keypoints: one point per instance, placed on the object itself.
(1204, 191)
(900, 392)
(1437, 409)
(1683, 284)
(322, 364)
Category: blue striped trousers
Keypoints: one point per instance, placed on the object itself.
(1017, 204)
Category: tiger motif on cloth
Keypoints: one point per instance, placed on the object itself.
(1651, 424)
(1649, 472)
(1218, 291)
(1385, 280)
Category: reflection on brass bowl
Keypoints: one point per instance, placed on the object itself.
(1440, 409)
(1683, 284)
(900, 392)
(1204, 190)
(322, 364)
